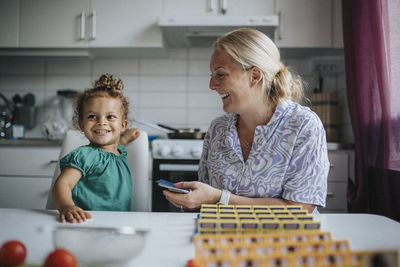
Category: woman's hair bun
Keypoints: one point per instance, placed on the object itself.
(108, 82)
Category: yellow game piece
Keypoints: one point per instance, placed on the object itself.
(228, 226)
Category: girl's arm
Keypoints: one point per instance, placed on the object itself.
(129, 135)
(62, 195)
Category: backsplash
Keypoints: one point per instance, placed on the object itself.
(172, 90)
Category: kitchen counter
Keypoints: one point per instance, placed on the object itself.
(30, 142)
(169, 239)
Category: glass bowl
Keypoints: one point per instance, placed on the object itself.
(101, 245)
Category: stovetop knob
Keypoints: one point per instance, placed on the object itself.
(196, 151)
(164, 151)
(177, 151)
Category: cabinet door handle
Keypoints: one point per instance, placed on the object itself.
(94, 25)
(280, 26)
(82, 33)
(211, 5)
(53, 161)
(331, 165)
(224, 6)
(329, 194)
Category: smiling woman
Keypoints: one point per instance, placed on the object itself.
(267, 149)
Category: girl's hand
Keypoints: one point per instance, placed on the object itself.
(200, 194)
(129, 135)
(73, 214)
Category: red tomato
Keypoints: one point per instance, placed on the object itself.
(191, 263)
(12, 253)
(60, 258)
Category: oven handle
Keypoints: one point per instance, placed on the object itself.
(179, 167)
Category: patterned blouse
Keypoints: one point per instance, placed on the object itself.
(288, 158)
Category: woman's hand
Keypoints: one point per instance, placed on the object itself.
(73, 214)
(129, 135)
(200, 193)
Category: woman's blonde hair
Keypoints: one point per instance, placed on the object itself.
(252, 48)
(106, 85)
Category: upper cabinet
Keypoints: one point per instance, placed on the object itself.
(90, 23)
(304, 23)
(53, 23)
(217, 7)
(9, 18)
(125, 23)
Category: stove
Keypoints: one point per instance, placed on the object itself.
(174, 160)
(177, 149)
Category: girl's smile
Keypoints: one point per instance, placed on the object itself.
(103, 122)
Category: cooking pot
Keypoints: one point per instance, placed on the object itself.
(183, 133)
(176, 133)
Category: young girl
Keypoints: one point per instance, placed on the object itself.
(97, 176)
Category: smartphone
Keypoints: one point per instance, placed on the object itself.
(171, 187)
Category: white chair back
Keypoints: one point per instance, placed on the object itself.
(138, 159)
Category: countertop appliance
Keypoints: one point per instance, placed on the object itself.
(174, 160)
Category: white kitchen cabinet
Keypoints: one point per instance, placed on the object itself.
(9, 19)
(341, 169)
(214, 7)
(90, 23)
(126, 23)
(304, 23)
(26, 173)
(53, 24)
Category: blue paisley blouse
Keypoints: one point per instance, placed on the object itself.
(288, 158)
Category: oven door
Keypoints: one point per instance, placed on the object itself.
(172, 170)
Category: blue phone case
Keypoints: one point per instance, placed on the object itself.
(170, 186)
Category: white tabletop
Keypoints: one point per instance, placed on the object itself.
(169, 240)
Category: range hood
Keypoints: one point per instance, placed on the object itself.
(203, 31)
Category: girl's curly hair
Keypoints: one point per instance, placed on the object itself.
(106, 85)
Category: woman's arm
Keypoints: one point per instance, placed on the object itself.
(205, 194)
(62, 195)
(239, 200)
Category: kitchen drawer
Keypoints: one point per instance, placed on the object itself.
(24, 192)
(28, 161)
(339, 166)
(336, 199)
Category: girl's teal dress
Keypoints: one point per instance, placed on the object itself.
(106, 182)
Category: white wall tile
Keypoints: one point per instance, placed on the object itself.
(163, 83)
(162, 100)
(68, 66)
(203, 116)
(302, 67)
(172, 89)
(200, 53)
(23, 66)
(118, 68)
(32, 83)
(199, 67)
(199, 83)
(345, 116)
(131, 83)
(164, 67)
(163, 115)
(177, 53)
(76, 82)
(205, 100)
(133, 98)
(341, 83)
(347, 135)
